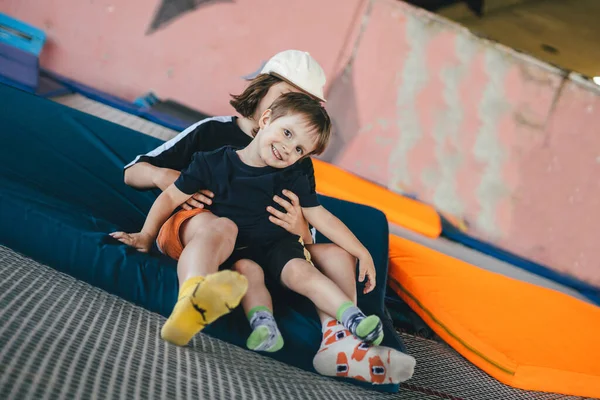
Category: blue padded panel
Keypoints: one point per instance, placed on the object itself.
(62, 191)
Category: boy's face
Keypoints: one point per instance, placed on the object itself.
(284, 141)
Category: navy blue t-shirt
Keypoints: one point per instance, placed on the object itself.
(207, 135)
(243, 193)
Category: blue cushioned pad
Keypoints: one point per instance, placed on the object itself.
(62, 191)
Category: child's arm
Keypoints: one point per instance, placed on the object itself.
(160, 212)
(336, 231)
(144, 175)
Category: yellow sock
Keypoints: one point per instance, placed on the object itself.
(201, 301)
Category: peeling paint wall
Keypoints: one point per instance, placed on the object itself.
(419, 104)
(484, 133)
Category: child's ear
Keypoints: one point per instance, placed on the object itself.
(265, 119)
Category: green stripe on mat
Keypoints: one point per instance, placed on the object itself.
(447, 330)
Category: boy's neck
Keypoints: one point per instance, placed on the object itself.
(249, 156)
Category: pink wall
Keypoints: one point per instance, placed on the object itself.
(197, 58)
(420, 105)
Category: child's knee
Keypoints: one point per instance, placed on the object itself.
(224, 227)
(251, 270)
(330, 256)
(218, 229)
(298, 272)
(342, 257)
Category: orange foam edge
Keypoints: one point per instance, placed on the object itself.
(452, 297)
(333, 181)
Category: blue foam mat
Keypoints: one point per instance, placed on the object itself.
(62, 191)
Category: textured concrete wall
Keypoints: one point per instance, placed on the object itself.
(419, 104)
(483, 133)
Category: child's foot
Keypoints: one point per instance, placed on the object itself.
(369, 329)
(343, 355)
(201, 301)
(265, 335)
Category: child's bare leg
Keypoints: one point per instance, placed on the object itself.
(204, 294)
(302, 277)
(258, 295)
(258, 306)
(207, 243)
(339, 266)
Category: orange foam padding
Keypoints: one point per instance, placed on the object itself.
(335, 182)
(524, 335)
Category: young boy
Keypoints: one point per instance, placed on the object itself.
(244, 183)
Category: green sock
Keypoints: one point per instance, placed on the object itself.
(343, 308)
(366, 328)
(265, 335)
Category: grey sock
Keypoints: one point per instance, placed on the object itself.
(351, 317)
(265, 334)
(366, 328)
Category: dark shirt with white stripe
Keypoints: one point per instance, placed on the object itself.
(193, 149)
(207, 135)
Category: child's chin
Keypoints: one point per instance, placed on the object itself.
(277, 164)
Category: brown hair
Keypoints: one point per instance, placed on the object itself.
(247, 102)
(315, 116)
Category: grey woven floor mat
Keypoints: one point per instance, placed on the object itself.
(61, 338)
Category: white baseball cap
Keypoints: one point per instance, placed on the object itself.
(300, 69)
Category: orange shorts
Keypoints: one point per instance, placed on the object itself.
(169, 239)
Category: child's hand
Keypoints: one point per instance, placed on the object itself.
(198, 200)
(292, 220)
(366, 267)
(141, 241)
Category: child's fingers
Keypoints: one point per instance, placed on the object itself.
(192, 202)
(125, 239)
(200, 197)
(207, 193)
(276, 213)
(122, 237)
(289, 207)
(369, 287)
(292, 196)
(372, 282)
(279, 222)
(361, 274)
